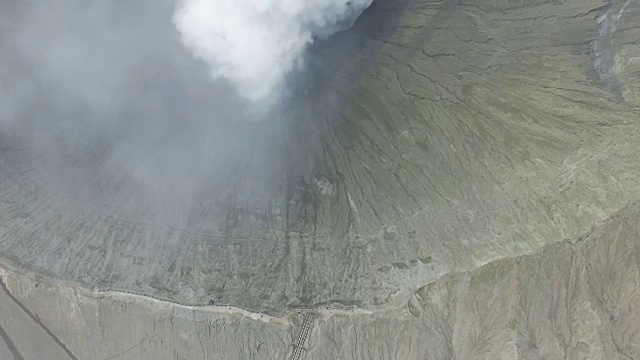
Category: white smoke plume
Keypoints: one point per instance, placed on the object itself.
(255, 44)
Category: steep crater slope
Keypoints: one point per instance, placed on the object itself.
(578, 298)
(448, 135)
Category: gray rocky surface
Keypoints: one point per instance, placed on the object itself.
(413, 177)
(23, 334)
(451, 134)
(574, 299)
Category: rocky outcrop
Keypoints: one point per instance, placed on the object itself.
(616, 49)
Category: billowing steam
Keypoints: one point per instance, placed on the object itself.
(103, 100)
(254, 44)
